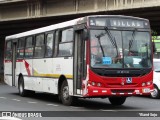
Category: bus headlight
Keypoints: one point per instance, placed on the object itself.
(148, 83)
(93, 83)
(143, 84)
(98, 84)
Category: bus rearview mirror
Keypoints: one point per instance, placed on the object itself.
(154, 47)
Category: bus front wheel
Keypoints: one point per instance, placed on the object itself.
(64, 94)
(117, 100)
(156, 92)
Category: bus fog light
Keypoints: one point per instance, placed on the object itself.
(143, 84)
(98, 84)
(146, 90)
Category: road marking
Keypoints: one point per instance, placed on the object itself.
(107, 110)
(31, 102)
(16, 100)
(3, 97)
(74, 107)
(52, 105)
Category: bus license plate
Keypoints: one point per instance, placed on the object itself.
(146, 90)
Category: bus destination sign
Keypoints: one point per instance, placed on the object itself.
(119, 22)
(127, 23)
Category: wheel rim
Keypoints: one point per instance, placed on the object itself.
(65, 93)
(154, 93)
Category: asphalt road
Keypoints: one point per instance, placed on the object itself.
(47, 104)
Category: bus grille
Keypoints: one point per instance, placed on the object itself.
(122, 91)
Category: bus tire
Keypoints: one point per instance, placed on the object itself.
(22, 91)
(64, 94)
(117, 100)
(156, 92)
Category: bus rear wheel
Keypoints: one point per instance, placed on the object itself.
(64, 94)
(22, 91)
(117, 100)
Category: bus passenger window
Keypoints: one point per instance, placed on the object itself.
(20, 49)
(29, 47)
(8, 53)
(49, 45)
(39, 46)
(67, 35)
(66, 43)
(65, 49)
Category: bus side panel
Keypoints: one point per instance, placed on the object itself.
(29, 83)
(70, 84)
(39, 71)
(26, 68)
(18, 70)
(8, 72)
(50, 85)
(64, 66)
(19, 64)
(43, 74)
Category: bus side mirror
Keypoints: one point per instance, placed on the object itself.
(154, 47)
(85, 34)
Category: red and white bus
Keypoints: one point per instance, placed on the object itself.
(94, 56)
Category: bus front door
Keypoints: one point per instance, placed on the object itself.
(79, 62)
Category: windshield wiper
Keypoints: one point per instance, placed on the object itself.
(98, 37)
(112, 39)
(133, 38)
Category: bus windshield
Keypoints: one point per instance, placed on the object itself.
(120, 49)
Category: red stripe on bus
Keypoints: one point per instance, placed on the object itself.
(27, 68)
(8, 61)
(20, 60)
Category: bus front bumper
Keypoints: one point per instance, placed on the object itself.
(107, 92)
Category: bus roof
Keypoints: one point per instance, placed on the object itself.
(62, 25)
(43, 29)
